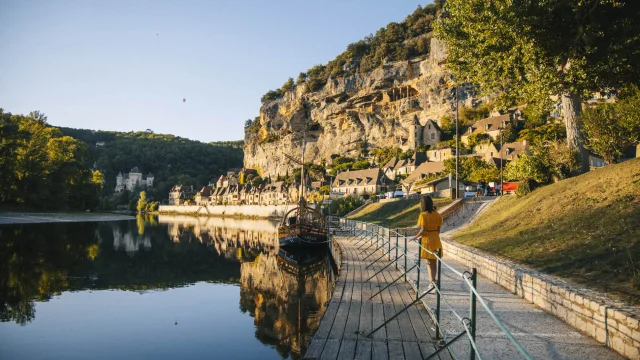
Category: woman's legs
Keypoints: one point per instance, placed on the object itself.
(432, 268)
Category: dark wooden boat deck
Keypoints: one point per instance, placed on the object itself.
(351, 314)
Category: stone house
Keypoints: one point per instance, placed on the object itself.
(396, 166)
(275, 194)
(179, 194)
(427, 134)
(513, 151)
(486, 149)
(443, 153)
(425, 170)
(357, 182)
(203, 197)
(490, 126)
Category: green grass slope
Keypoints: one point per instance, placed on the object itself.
(585, 228)
(397, 214)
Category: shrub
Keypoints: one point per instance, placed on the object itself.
(526, 186)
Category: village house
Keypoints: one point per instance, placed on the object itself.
(203, 197)
(275, 194)
(356, 182)
(513, 151)
(490, 126)
(398, 167)
(443, 153)
(425, 170)
(179, 194)
(427, 134)
(442, 188)
(129, 180)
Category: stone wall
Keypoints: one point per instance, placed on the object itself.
(257, 211)
(611, 323)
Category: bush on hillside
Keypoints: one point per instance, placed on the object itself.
(345, 205)
(526, 186)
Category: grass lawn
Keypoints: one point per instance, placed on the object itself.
(586, 228)
(396, 214)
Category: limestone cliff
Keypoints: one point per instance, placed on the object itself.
(378, 108)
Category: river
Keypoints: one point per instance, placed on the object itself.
(162, 287)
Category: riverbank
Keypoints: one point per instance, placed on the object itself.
(229, 211)
(42, 217)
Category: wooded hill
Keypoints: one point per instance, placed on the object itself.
(171, 159)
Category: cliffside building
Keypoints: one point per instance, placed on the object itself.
(130, 180)
(427, 134)
(370, 181)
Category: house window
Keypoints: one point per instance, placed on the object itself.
(492, 153)
(429, 126)
(433, 136)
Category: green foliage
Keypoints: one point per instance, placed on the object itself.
(142, 202)
(471, 169)
(406, 155)
(478, 138)
(547, 132)
(345, 205)
(469, 115)
(548, 161)
(526, 51)
(612, 128)
(270, 138)
(384, 154)
(361, 165)
(42, 168)
(324, 190)
(526, 186)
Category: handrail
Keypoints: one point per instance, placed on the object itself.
(363, 226)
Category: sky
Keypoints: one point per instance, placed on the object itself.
(127, 65)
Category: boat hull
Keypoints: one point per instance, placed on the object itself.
(301, 236)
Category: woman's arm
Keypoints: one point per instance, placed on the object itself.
(422, 230)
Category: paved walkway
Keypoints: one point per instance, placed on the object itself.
(352, 313)
(543, 335)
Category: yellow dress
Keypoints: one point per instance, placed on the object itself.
(431, 238)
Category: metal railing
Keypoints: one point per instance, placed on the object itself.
(393, 245)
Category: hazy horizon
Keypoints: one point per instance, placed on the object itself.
(126, 66)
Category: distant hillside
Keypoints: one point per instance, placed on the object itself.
(171, 159)
(585, 228)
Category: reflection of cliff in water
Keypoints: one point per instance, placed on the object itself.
(225, 234)
(287, 297)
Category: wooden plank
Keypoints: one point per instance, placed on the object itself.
(330, 351)
(327, 320)
(377, 320)
(411, 351)
(353, 319)
(393, 329)
(347, 350)
(395, 349)
(406, 329)
(363, 349)
(366, 311)
(380, 351)
(315, 349)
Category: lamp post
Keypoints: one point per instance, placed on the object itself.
(457, 147)
(501, 164)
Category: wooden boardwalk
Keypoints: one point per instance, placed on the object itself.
(352, 315)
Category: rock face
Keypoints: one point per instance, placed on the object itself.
(378, 109)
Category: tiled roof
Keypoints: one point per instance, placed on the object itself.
(430, 167)
(358, 177)
(489, 124)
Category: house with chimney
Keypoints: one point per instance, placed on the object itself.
(400, 167)
(358, 182)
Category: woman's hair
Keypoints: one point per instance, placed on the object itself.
(426, 204)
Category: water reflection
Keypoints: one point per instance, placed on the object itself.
(286, 294)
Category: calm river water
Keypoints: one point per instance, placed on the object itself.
(167, 287)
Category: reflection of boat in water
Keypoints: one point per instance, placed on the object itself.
(302, 225)
(287, 294)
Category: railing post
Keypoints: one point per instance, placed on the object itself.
(438, 277)
(472, 311)
(396, 248)
(389, 242)
(405, 257)
(418, 282)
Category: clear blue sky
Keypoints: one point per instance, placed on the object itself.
(126, 65)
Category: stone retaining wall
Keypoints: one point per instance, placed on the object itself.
(611, 323)
(257, 211)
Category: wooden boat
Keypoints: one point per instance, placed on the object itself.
(302, 225)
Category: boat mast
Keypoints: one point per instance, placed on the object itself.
(304, 134)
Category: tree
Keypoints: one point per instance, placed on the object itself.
(611, 128)
(523, 50)
(142, 202)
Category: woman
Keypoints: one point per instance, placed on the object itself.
(430, 222)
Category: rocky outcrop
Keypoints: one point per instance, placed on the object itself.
(377, 108)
